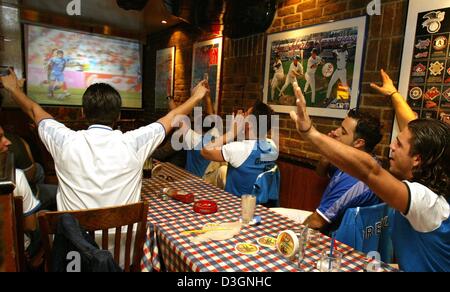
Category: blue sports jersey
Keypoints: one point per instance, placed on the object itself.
(241, 176)
(421, 252)
(422, 238)
(344, 192)
(195, 163)
(58, 65)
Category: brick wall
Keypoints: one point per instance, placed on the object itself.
(244, 59)
(384, 48)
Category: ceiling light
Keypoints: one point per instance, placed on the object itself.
(164, 22)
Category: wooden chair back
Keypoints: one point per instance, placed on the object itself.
(103, 220)
(18, 212)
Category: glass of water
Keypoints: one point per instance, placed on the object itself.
(303, 238)
(330, 263)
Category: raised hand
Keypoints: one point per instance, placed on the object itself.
(301, 117)
(11, 82)
(388, 87)
(200, 90)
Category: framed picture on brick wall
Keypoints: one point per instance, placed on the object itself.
(327, 62)
(425, 70)
(206, 64)
(165, 74)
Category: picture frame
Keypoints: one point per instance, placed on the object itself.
(207, 64)
(165, 77)
(332, 78)
(425, 68)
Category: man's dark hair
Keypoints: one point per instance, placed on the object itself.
(431, 141)
(368, 128)
(101, 104)
(263, 114)
(315, 51)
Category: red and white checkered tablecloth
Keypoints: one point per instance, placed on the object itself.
(167, 249)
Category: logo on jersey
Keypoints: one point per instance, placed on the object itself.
(436, 68)
(415, 93)
(433, 21)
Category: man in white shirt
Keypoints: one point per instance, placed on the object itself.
(417, 185)
(30, 204)
(278, 76)
(98, 167)
(295, 71)
(341, 71)
(313, 63)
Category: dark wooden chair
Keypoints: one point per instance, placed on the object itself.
(18, 212)
(103, 220)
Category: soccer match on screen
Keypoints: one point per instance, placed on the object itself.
(62, 64)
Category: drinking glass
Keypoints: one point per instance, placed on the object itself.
(148, 167)
(303, 238)
(248, 205)
(330, 263)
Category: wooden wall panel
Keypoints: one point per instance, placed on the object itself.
(301, 187)
(8, 233)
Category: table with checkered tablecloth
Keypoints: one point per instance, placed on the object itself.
(166, 249)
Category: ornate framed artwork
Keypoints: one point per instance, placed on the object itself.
(327, 62)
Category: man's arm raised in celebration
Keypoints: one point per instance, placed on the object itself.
(198, 93)
(31, 108)
(404, 112)
(350, 160)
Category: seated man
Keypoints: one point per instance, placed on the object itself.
(34, 172)
(417, 184)
(360, 131)
(98, 167)
(30, 204)
(211, 172)
(249, 158)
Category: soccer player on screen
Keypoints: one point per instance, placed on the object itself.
(48, 57)
(56, 67)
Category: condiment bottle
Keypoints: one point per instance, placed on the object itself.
(179, 195)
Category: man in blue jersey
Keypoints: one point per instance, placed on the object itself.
(249, 158)
(363, 132)
(194, 142)
(417, 185)
(56, 67)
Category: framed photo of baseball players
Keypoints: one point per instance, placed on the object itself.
(425, 72)
(326, 60)
(206, 65)
(165, 73)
